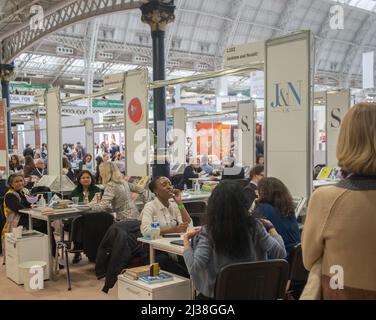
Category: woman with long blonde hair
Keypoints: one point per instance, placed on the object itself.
(117, 196)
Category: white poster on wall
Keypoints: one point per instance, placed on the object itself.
(179, 135)
(246, 133)
(54, 145)
(89, 139)
(288, 112)
(337, 104)
(136, 122)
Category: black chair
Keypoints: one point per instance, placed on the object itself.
(298, 275)
(262, 280)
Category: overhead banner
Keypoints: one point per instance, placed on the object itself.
(289, 111)
(54, 144)
(337, 104)
(136, 122)
(179, 135)
(4, 165)
(244, 54)
(246, 133)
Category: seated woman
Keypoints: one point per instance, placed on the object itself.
(167, 208)
(67, 170)
(231, 235)
(117, 194)
(87, 162)
(276, 204)
(14, 164)
(85, 191)
(16, 200)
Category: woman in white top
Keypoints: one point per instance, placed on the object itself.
(167, 209)
(117, 195)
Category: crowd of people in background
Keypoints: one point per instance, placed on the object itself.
(250, 222)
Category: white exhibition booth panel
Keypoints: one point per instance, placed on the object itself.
(289, 111)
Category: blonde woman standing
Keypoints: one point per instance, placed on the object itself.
(117, 195)
(341, 219)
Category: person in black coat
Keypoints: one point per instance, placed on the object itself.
(255, 175)
(193, 170)
(28, 151)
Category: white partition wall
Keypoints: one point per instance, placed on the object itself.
(54, 145)
(136, 123)
(337, 104)
(179, 134)
(288, 108)
(246, 136)
(89, 138)
(4, 164)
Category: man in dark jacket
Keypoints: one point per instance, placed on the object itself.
(28, 151)
(255, 175)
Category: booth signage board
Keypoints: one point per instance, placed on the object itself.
(110, 104)
(54, 144)
(244, 54)
(37, 129)
(3, 141)
(113, 81)
(289, 111)
(89, 138)
(136, 122)
(179, 135)
(246, 134)
(337, 104)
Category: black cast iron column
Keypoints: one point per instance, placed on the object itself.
(6, 72)
(157, 15)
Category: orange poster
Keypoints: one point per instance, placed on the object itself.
(213, 139)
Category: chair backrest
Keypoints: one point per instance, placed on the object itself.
(297, 272)
(176, 179)
(262, 280)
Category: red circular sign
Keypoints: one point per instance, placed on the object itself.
(135, 110)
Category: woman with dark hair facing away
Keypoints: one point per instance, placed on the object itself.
(275, 203)
(230, 235)
(67, 169)
(14, 164)
(85, 191)
(29, 166)
(341, 219)
(98, 160)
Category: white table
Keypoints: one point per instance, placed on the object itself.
(163, 244)
(192, 196)
(49, 218)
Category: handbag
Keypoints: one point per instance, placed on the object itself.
(312, 289)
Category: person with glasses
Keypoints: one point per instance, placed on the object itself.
(255, 175)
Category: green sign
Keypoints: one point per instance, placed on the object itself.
(29, 86)
(114, 104)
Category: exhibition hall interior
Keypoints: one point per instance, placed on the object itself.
(187, 150)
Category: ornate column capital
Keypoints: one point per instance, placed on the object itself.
(158, 14)
(7, 72)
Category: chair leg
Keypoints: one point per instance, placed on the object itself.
(56, 268)
(67, 266)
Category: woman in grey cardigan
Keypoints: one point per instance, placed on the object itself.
(231, 235)
(117, 196)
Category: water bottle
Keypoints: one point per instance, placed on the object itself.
(42, 202)
(155, 229)
(49, 196)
